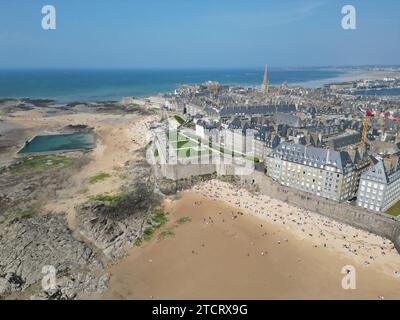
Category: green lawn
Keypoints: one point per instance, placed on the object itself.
(190, 152)
(179, 119)
(180, 144)
(183, 144)
(395, 210)
(185, 153)
(185, 147)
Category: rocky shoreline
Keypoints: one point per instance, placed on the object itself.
(29, 244)
(40, 193)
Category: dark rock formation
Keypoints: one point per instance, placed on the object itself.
(114, 225)
(28, 244)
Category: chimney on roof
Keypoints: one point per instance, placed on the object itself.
(328, 153)
(390, 162)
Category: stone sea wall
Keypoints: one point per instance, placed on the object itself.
(378, 223)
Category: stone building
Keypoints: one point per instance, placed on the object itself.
(326, 173)
(380, 185)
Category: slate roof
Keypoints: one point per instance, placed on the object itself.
(325, 130)
(288, 119)
(316, 156)
(262, 133)
(379, 173)
(345, 140)
(250, 110)
(272, 141)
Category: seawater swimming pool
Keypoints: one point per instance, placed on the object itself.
(59, 142)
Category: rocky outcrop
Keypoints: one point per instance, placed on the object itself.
(114, 225)
(24, 190)
(10, 283)
(28, 244)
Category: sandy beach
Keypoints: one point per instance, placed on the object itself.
(364, 247)
(227, 251)
(350, 76)
(233, 244)
(119, 137)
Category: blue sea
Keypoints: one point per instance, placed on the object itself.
(99, 85)
(380, 92)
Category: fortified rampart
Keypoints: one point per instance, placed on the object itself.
(378, 223)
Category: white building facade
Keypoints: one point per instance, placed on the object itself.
(380, 185)
(323, 172)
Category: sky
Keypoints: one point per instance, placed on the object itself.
(198, 34)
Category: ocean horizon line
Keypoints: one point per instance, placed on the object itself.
(83, 85)
(205, 68)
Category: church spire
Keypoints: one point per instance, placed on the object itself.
(265, 86)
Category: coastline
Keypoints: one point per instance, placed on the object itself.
(365, 247)
(226, 253)
(255, 246)
(351, 75)
(144, 84)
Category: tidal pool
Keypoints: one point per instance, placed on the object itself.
(59, 142)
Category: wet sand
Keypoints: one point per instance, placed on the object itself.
(223, 254)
